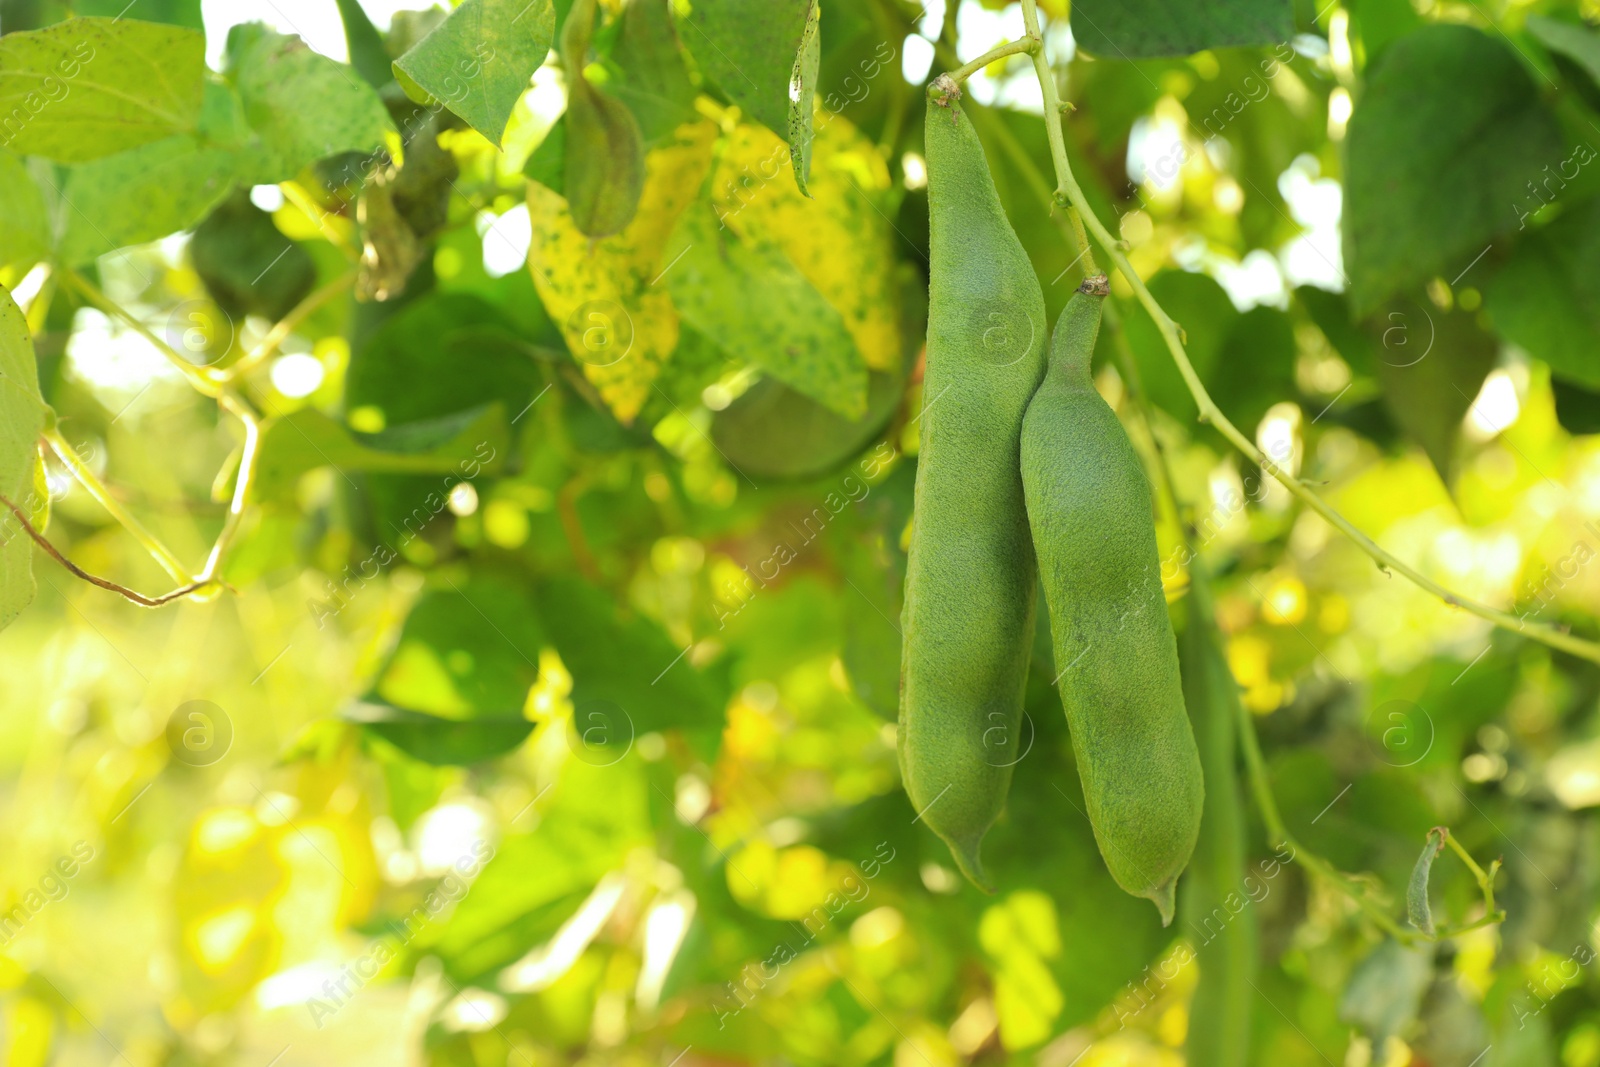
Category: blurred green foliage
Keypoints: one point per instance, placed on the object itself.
(554, 664)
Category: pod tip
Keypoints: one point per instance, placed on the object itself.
(966, 857)
(1165, 897)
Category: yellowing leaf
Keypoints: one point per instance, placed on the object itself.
(747, 296)
(619, 323)
(841, 239)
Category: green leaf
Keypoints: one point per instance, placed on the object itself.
(247, 265)
(764, 55)
(89, 87)
(1331, 314)
(771, 431)
(1255, 368)
(651, 77)
(1576, 42)
(1577, 409)
(143, 194)
(1432, 365)
(172, 12)
(439, 741)
(604, 161)
(466, 652)
(1418, 911)
(441, 354)
(1136, 29)
(604, 146)
(585, 827)
(481, 60)
(753, 302)
(547, 164)
(453, 689)
(22, 419)
(1385, 991)
(24, 226)
(802, 97)
(1376, 23)
(365, 45)
(467, 443)
(1199, 305)
(1546, 297)
(628, 677)
(1447, 134)
(303, 106)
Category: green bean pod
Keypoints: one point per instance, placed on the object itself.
(971, 575)
(1215, 907)
(1093, 529)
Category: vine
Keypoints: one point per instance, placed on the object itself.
(220, 384)
(1069, 195)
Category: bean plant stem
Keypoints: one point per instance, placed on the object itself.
(1068, 192)
(195, 376)
(209, 383)
(287, 325)
(1255, 767)
(1030, 45)
(297, 196)
(103, 496)
(243, 482)
(103, 583)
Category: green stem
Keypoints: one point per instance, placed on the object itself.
(1070, 192)
(297, 196)
(1484, 878)
(1030, 44)
(244, 481)
(284, 327)
(97, 489)
(194, 375)
(1277, 832)
(1256, 768)
(1261, 787)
